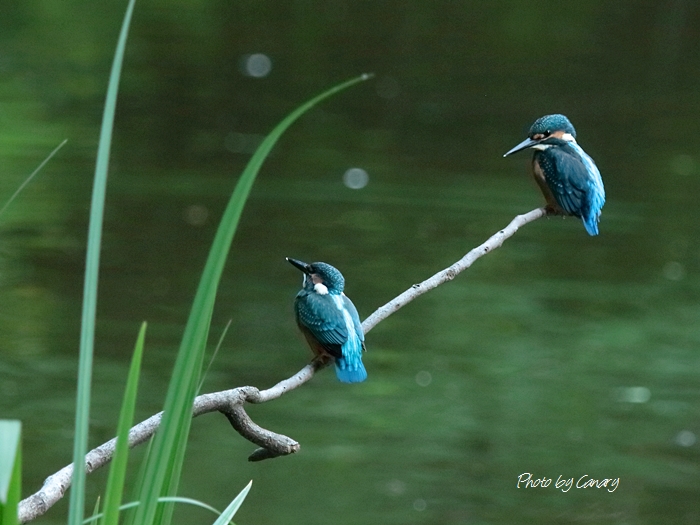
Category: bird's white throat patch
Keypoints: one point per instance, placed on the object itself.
(320, 289)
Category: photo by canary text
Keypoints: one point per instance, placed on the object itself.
(565, 484)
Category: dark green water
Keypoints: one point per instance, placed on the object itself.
(558, 354)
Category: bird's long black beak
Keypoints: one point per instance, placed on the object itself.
(299, 264)
(527, 143)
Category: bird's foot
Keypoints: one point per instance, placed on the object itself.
(551, 210)
(321, 361)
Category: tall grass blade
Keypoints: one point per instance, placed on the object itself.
(213, 356)
(165, 461)
(117, 471)
(29, 179)
(137, 486)
(92, 263)
(230, 511)
(95, 511)
(168, 499)
(10, 470)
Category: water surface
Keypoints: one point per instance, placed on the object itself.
(558, 354)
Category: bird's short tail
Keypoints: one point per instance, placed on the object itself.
(591, 225)
(594, 206)
(350, 370)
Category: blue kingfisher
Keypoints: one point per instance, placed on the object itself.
(567, 176)
(329, 320)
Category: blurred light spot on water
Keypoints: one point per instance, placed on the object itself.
(634, 394)
(423, 378)
(674, 271)
(243, 142)
(196, 215)
(396, 487)
(420, 505)
(682, 164)
(387, 87)
(256, 65)
(686, 438)
(355, 178)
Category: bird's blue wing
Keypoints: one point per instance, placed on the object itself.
(349, 367)
(595, 194)
(350, 307)
(321, 317)
(566, 176)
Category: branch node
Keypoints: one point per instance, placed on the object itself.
(260, 454)
(250, 394)
(275, 444)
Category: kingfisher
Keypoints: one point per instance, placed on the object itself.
(329, 320)
(567, 176)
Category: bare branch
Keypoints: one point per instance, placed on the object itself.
(231, 402)
(493, 242)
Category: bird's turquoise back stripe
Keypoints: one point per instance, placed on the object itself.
(352, 349)
(590, 165)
